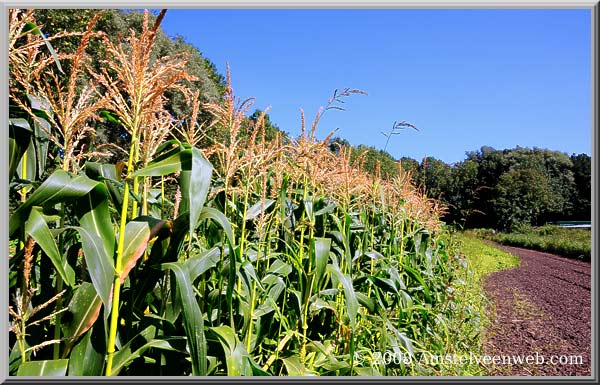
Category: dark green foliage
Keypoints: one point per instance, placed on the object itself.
(372, 160)
(582, 173)
(503, 188)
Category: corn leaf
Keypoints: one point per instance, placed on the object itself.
(138, 233)
(84, 309)
(322, 247)
(43, 368)
(236, 356)
(29, 26)
(193, 322)
(139, 344)
(108, 174)
(258, 208)
(87, 357)
(351, 300)
(195, 184)
(19, 137)
(37, 228)
(100, 265)
(59, 187)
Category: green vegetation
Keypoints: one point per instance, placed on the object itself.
(482, 260)
(482, 257)
(253, 254)
(574, 243)
(503, 189)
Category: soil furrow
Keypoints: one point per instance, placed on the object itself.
(542, 309)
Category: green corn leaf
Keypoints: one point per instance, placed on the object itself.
(108, 174)
(87, 357)
(399, 338)
(195, 177)
(195, 184)
(84, 309)
(308, 209)
(37, 228)
(100, 265)
(41, 128)
(179, 230)
(350, 295)
(419, 278)
(279, 268)
(193, 322)
(326, 210)
(138, 233)
(145, 340)
(14, 358)
(200, 263)
(59, 187)
(221, 219)
(110, 117)
(386, 284)
(365, 301)
(19, 137)
(51, 368)
(40, 107)
(248, 274)
(31, 159)
(295, 368)
(236, 357)
(322, 247)
(94, 215)
(179, 160)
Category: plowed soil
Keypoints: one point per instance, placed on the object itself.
(542, 309)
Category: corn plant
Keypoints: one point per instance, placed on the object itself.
(260, 258)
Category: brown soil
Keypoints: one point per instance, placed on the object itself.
(543, 307)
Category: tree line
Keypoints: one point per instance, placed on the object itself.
(493, 188)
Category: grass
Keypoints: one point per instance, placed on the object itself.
(484, 258)
(571, 243)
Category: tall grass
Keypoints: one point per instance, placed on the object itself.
(572, 243)
(277, 258)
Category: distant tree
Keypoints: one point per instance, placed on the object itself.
(436, 176)
(463, 193)
(582, 176)
(271, 129)
(336, 143)
(373, 159)
(557, 168)
(410, 166)
(521, 198)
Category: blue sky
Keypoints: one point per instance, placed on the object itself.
(465, 78)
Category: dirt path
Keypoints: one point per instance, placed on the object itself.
(543, 307)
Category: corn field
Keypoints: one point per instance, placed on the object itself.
(248, 257)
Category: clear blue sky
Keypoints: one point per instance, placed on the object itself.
(465, 78)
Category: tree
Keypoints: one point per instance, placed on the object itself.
(436, 176)
(463, 196)
(582, 177)
(116, 24)
(521, 197)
